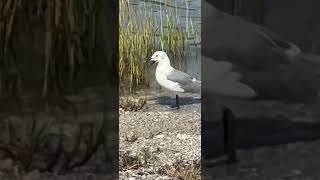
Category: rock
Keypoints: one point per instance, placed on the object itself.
(163, 178)
(129, 173)
(182, 136)
(160, 136)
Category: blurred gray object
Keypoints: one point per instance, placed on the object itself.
(244, 64)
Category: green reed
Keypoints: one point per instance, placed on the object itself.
(140, 34)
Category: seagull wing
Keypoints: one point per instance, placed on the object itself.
(223, 81)
(185, 81)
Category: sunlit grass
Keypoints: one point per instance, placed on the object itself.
(142, 32)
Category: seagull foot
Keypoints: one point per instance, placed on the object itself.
(175, 107)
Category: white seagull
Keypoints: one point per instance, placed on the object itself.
(173, 80)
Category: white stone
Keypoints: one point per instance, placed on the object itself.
(160, 136)
(182, 136)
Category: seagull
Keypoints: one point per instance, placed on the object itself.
(173, 80)
(245, 65)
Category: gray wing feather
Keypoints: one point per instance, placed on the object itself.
(223, 81)
(187, 82)
(179, 77)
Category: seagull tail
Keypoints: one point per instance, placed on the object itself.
(196, 81)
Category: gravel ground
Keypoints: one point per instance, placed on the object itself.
(159, 138)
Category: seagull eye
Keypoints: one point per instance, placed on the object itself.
(157, 55)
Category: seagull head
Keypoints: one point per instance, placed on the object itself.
(160, 57)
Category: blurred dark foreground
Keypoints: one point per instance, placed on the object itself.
(277, 133)
(58, 89)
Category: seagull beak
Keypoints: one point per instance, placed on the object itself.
(152, 61)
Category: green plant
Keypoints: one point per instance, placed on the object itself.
(141, 32)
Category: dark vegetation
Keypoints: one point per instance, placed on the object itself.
(54, 56)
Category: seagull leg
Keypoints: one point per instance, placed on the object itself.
(229, 135)
(177, 106)
(177, 102)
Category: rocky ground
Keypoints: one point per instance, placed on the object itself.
(157, 142)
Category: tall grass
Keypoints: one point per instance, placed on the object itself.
(142, 32)
(69, 39)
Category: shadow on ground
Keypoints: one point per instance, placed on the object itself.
(169, 101)
(255, 133)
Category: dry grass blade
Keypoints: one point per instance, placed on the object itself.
(70, 42)
(179, 170)
(10, 24)
(7, 7)
(48, 47)
(132, 103)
